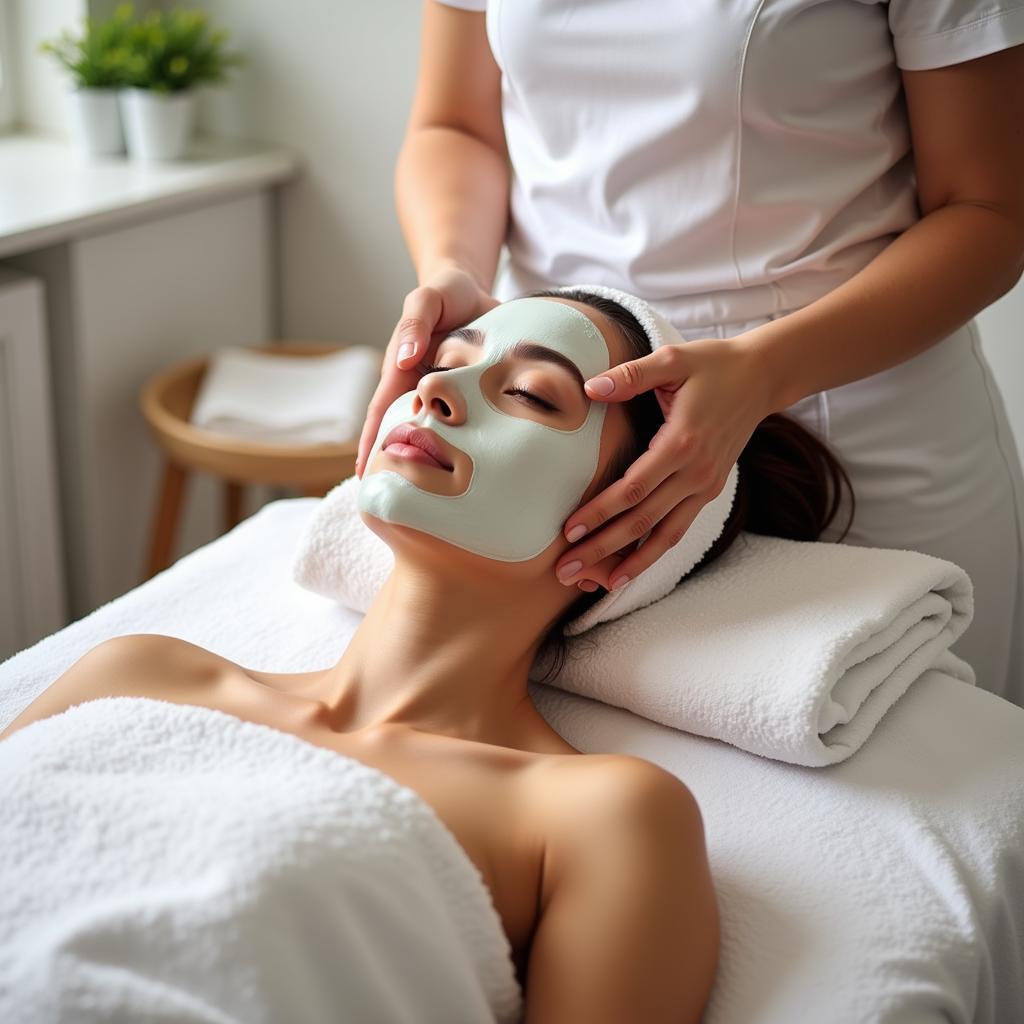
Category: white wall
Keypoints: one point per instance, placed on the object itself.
(335, 81)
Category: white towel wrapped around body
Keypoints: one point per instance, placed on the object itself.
(789, 649)
(276, 398)
(171, 862)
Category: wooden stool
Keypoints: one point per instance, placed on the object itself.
(166, 401)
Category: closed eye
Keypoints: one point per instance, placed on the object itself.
(528, 395)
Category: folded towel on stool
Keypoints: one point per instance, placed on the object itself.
(283, 399)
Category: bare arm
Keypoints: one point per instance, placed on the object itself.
(452, 177)
(629, 928)
(965, 252)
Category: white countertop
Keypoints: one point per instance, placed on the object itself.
(49, 194)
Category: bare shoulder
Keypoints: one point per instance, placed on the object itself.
(122, 666)
(591, 802)
(604, 786)
(628, 924)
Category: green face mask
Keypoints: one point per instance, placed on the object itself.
(527, 477)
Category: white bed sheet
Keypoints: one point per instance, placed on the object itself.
(889, 887)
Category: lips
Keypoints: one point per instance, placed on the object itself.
(423, 439)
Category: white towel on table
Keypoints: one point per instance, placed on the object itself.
(277, 398)
(171, 862)
(789, 649)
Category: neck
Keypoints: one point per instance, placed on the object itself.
(443, 655)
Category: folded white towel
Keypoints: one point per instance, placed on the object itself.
(283, 399)
(789, 649)
(169, 862)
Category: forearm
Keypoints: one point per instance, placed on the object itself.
(451, 192)
(923, 286)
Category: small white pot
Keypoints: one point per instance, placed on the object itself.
(157, 126)
(95, 120)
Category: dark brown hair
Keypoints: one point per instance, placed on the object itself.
(789, 482)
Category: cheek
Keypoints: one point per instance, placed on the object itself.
(614, 438)
(400, 411)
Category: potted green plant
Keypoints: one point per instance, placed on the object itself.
(95, 60)
(171, 53)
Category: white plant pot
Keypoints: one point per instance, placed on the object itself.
(157, 126)
(95, 119)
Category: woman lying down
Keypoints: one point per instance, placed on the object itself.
(595, 864)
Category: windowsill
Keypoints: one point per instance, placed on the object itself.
(49, 194)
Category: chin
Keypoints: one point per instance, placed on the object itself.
(408, 540)
(415, 547)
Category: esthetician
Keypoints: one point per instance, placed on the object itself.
(818, 194)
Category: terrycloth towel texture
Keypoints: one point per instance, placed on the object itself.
(792, 650)
(278, 398)
(660, 579)
(887, 888)
(170, 862)
(787, 649)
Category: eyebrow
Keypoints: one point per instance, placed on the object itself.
(524, 350)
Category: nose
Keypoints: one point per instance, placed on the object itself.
(441, 397)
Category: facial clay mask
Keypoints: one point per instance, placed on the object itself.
(527, 476)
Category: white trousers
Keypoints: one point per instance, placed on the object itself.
(934, 468)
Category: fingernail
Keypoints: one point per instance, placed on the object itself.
(588, 585)
(616, 583)
(569, 569)
(405, 350)
(575, 533)
(601, 385)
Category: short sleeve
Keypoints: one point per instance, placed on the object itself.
(933, 33)
(466, 5)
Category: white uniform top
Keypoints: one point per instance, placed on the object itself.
(723, 159)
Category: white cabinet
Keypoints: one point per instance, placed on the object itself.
(131, 269)
(32, 598)
(123, 305)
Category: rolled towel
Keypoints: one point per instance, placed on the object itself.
(170, 862)
(282, 399)
(793, 650)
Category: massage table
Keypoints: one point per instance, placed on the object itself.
(885, 888)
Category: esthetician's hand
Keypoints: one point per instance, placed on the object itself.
(449, 298)
(713, 393)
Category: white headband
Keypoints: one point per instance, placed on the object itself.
(661, 578)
